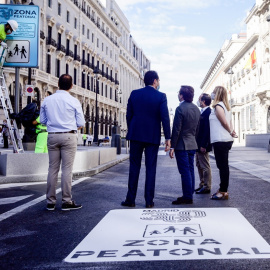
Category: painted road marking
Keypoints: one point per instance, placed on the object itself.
(3, 186)
(171, 234)
(162, 153)
(21, 208)
(13, 199)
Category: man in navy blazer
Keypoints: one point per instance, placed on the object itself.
(204, 146)
(146, 110)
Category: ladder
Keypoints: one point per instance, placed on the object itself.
(6, 104)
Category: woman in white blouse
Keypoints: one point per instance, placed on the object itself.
(221, 135)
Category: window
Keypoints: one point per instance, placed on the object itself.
(111, 54)
(49, 34)
(67, 69)
(88, 33)
(102, 88)
(83, 79)
(106, 90)
(75, 51)
(59, 9)
(57, 71)
(97, 42)
(49, 3)
(83, 29)
(75, 76)
(75, 23)
(93, 38)
(68, 16)
(110, 93)
(102, 46)
(48, 67)
(59, 37)
(67, 46)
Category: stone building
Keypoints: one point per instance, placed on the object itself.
(77, 36)
(248, 88)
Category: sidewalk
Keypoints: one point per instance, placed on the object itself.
(252, 160)
(38, 176)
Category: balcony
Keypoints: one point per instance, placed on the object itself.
(117, 82)
(93, 19)
(61, 50)
(69, 55)
(77, 58)
(42, 35)
(51, 45)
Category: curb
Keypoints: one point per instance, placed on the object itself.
(76, 175)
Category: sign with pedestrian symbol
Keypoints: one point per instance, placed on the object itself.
(18, 51)
(171, 234)
(23, 44)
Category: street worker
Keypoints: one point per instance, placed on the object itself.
(84, 136)
(42, 136)
(7, 29)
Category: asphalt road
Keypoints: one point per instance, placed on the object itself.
(38, 239)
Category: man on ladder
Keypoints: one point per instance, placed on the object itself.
(7, 29)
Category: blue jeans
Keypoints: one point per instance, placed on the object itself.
(185, 164)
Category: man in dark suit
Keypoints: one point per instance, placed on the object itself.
(204, 146)
(183, 142)
(146, 110)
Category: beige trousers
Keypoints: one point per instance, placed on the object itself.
(204, 169)
(61, 148)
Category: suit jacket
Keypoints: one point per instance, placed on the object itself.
(146, 110)
(203, 135)
(185, 125)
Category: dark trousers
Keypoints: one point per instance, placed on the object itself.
(185, 164)
(84, 142)
(221, 151)
(5, 138)
(136, 151)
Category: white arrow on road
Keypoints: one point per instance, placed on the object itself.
(13, 199)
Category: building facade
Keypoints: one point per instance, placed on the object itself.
(248, 88)
(77, 37)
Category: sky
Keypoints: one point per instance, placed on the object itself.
(182, 37)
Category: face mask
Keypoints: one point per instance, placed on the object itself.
(158, 87)
(198, 103)
(9, 32)
(213, 95)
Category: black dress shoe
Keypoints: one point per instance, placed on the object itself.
(197, 189)
(125, 203)
(151, 205)
(203, 190)
(182, 200)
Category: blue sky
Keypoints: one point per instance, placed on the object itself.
(183, 37)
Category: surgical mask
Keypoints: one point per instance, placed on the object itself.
(213, 95)
(9, 32)
(158, 87)
(198, 103)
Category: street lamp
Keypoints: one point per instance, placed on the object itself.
(96, 72)
(119, 92)
(230, 73)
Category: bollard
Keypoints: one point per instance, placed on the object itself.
(118, 144)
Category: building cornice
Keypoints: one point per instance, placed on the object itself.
(218, 58)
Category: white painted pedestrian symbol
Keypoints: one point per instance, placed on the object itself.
(19, 51)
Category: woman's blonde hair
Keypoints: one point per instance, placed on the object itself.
(221, 95)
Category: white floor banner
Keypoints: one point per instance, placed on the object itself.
(171, 234)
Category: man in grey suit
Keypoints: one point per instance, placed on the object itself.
(183, 142)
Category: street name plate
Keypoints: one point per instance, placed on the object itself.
(171, 234)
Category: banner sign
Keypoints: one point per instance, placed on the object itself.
(171, 234)
(23, 45)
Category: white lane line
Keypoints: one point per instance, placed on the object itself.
(11, 200)
(21, 208)
(2, 186)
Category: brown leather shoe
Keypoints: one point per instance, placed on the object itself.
(150, 205)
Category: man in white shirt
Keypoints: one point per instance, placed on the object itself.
(63, 115)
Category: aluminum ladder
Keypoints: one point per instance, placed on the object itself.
(6, 104)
